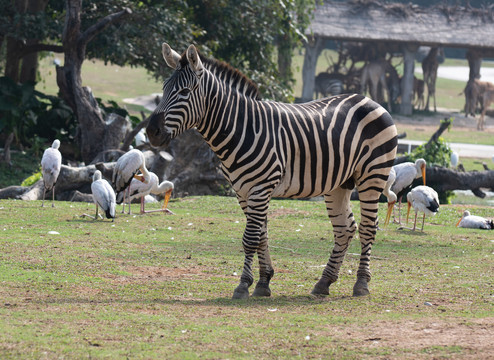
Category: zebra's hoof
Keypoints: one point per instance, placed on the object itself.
(241, 292)
(320, 289)
(361, 288)
(262, 289)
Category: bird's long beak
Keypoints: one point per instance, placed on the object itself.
(423, 174)
(167, 198)
(140, 178)
(408, 210)
(390, 211)
(459, 221)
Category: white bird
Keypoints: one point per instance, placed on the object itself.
(141, 138)
(51, 163)
(126, 169)
(139, 189)
(406, 173)
(474, 222)
(103, 196)
(455, 159)
(390, 195)
(424, 199)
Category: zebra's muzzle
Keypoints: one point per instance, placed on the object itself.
(158, 136)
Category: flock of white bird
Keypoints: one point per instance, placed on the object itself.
(422, 198)
(131, 180)
(129, 184)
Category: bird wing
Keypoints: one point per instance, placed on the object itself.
(126, 167)
(425, 199)
(405, 174)
(139, 189)
(51, 163)
(474, 222)
(103, 194)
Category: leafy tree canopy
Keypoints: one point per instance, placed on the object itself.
(244, 33)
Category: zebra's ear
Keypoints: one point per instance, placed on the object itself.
(171, 56)
(194, 60)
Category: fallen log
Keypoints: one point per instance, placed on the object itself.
(443, 179)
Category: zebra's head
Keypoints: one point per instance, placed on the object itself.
(181, 105)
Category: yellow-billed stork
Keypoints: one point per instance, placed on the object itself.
(139, 189)
(424, 199)
(103, 196)
(474, 222)
(390, 195)
(126, 169)
(406, 173)
(51, 163)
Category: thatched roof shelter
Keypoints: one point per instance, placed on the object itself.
(371, 20)
(406, 25)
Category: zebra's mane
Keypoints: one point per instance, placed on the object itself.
(228, 75)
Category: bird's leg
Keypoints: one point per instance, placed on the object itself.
(44, 193)
(53, 196)
(142, 205)
(415, 222)
(128, 197)
(96, 216)
(423, 220)
(399, 213)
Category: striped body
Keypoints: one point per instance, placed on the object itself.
(324, 147)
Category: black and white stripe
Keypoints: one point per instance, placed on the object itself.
(324, 147)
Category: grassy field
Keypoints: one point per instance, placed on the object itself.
(156, 286)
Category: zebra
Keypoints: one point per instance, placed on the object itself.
(271, 149)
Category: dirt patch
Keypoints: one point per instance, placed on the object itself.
(473, 338)
(158, 273)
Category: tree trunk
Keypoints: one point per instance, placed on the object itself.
(443, 179)
(6, 149)
(95, 135)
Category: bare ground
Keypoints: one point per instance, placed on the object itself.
(457, 338)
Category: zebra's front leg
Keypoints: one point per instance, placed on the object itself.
(266, 271)
(250, 242)
(344, 227)
(255, 239)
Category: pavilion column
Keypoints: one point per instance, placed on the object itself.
(312, 50)
(474, 58)
(406, 106)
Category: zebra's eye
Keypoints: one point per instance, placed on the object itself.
(184, 92)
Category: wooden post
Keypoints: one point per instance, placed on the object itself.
(474, 58)
(312, 50)
(406, 107)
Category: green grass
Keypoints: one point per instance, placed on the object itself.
(110, 82)
(159, 286)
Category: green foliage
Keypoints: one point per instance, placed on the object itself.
(30, 114)
(31, 180)
(437, 152)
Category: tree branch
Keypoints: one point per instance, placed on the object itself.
(95, 29)
(28, 49)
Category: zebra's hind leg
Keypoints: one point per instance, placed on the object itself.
(266, 271)
(369, 204)
(344, 227)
